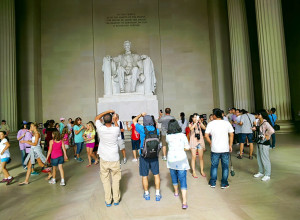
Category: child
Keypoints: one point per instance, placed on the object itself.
(65, 137)
(58, 155)
(5, 157)
(89, 138)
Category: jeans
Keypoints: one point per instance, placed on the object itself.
(23, 156)
(214, 168)
(273, 142)
(79, 147)
(179, 175)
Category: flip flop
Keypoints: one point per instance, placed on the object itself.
(23, 183)
(96, 162)
(194, 176)
(176, 195)
(203, 175)
(88, 165)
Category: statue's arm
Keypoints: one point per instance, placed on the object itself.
(140, 64)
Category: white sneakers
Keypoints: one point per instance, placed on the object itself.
(134, 160)
(125, 160)
(62, 183)
(164, 158)
(265, 178)
(53, 181)
(258, 175)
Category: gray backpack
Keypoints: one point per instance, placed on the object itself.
(151, 145)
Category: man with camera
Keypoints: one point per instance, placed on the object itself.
(221, 146)
(109, 155)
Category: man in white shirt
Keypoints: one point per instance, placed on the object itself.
(109, 156)
(221, 145)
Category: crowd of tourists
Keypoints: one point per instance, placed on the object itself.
(47, 145)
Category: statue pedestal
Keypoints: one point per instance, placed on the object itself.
(129, 104)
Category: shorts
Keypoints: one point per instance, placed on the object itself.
(66, 146)
(163, 140)
(135, 144)
(147, 164)
(90, 145)
(79, 147)
(242, 138)
(56, 161)
(7, 159)
(121, 144)
(199, 147)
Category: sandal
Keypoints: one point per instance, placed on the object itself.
(194, 176)
(203, 175)
(49, 177)
(97, 162)
(89, 165)
(23, 183)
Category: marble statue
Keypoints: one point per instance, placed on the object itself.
(128, 73)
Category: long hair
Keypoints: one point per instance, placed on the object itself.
(173, 127)
(92, 125)
(56, 136)
(182, 117)
(64, 131)
(76, 121)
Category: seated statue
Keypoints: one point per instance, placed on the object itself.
(128, 73)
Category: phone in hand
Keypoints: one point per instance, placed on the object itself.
(197, 117)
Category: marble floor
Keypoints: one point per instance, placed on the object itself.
(83, 198)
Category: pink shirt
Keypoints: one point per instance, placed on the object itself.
(56, 150)
(66, 139)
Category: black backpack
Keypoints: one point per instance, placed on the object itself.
(151, 145)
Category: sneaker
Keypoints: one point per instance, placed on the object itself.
(125, 160)
(52, 181)
(146, 197)
(9, 181)
(79, 159)
(239, 157)
(3, 181)
(158, 198)
(258, 175)
(108, 205)
(25, 168)
(62, 183)
(116, 203)
(75, 157)
(134, 160)
(265, 178)
(34, 173)
(164, 158)
(225, 187)
(46, 170)
(212, 186)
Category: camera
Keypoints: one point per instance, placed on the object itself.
(197, 136)
(261, 137)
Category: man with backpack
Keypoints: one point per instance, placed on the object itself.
(149, 150)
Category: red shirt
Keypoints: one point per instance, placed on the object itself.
(134, 134)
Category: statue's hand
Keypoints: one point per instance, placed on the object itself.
(108, 57)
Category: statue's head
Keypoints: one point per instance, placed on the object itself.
(127, 45)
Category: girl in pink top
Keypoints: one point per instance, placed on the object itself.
(58, 154)
(65, 137)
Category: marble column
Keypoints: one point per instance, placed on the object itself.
(273, 61)
(8, 97)
(240, 56)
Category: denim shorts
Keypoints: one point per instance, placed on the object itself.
(7, 159)
(79, 147)
(56, 161)
(179, 175)
(243, 138)
(135, 144)
(147, 164)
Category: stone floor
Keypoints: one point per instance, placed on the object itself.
(82, 197)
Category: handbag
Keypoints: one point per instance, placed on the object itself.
(276, 126)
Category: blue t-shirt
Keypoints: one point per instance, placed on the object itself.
(61, 127)
(78, 137)
(271, 119)
(140, 129)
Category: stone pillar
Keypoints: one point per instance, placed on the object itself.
(240, 56)
(8, 95)
(273, 61)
